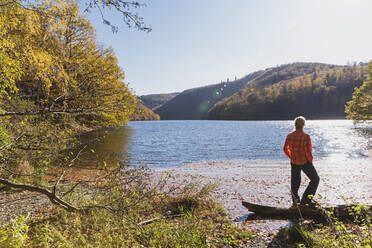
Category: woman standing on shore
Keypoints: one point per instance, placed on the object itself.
(298, 148)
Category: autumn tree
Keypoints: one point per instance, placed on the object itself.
(360, 107)
(63, 70)
(55, 82)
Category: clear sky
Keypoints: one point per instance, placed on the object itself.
(200, 42)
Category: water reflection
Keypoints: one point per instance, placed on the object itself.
(105, 146)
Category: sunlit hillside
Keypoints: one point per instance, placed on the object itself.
(316, 90)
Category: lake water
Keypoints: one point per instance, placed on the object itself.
(174, 143)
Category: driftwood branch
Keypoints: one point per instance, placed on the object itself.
(52, 197)
(55, 199)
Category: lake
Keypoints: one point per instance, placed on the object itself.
(174, 143)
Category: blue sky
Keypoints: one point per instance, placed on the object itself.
(200, 42)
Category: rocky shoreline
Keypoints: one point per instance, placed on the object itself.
(268, 182)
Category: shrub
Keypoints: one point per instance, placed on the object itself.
(335, 232)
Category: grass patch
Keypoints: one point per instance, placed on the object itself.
(189, 218)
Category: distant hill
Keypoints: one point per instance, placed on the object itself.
(195, 103)
(317, 91)
(154, 101)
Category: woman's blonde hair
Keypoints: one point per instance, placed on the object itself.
(299, 122)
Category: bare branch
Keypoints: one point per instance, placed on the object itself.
(125, 8)
(71, 189)
(146, 222)
(9, 144)
(52, 197)
(64, 171)
(48, 111)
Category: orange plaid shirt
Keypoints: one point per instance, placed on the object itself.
(298, 147)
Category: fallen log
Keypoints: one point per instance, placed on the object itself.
(343, 211)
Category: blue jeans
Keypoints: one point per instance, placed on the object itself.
(311, 173)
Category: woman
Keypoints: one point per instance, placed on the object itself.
(298, 148)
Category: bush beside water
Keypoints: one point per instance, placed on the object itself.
(354, 231)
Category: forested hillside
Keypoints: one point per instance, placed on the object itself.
(314, 90)
(154, 101)
(195, 103)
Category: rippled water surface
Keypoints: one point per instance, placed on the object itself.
(173, 143)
